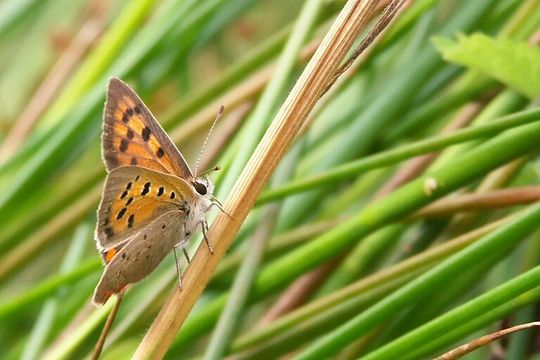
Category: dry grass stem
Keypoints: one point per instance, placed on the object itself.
(463, 350)
(480, 201)
(389, 14)
(298, 292)
(495, 180)
(107, 327)
(257, 172)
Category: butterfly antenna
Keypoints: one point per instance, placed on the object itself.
(220, 112)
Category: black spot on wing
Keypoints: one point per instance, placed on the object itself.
(127, 114)
(123, 145)
(121, 213)
(130, 220)
(146, 188)
(160, 153)
(146, 132)
(161, 190)
(109, 232)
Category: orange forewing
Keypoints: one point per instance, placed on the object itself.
(132, 198)
(132, 136)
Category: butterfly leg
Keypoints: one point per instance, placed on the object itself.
(216, 202)
(186, 255)
(178, 271)
(219, 205)
(204, 227)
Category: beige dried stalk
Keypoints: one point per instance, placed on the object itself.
(280, 135)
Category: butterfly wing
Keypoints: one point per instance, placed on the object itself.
(141, 255)
(132, 136)
(134, 196)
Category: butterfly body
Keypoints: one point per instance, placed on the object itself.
(151, 201)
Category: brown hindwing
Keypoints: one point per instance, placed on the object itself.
(141, 255)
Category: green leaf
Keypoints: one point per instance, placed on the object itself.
(514, 63)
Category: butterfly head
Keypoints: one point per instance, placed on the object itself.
(203, 186)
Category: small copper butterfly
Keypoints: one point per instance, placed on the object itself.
(151, 201)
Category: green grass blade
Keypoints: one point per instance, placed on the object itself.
(426, 283)
(390, 157)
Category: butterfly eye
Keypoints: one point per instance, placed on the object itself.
(200, 188)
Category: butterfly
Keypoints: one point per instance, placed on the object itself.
(151, 203)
